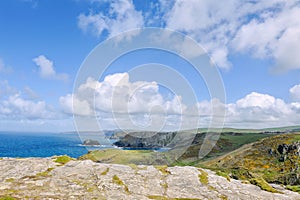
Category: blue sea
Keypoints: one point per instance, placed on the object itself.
(14, 144)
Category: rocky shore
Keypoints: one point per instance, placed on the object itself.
(61, 178)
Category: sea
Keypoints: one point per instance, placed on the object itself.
(25, 144)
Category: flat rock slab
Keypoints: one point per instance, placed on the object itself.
(42, 178)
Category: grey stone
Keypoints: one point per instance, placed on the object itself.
(21, 178)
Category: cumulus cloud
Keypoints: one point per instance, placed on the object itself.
(278, 32)
(262, 111)
(295, 92)
(265, 29)
(117, 94)
(234, 25)
(122, 16)
(14, 106)
(117, 101)
(46, 69)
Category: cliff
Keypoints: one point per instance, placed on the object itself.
(146, 140)
(66, 178)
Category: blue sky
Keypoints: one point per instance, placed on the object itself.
(254, 44)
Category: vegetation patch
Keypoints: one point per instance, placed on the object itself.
(294, 188)
(166, 198)
(260, 182)
(275, 159)
(163, 169)
(10, 180)
(118, 181)
(117, 156)
(45, 173)
(223, 197)
(165, 186)
(7, 198)
(203, 177)
(63, 159)
(223, 174)
(105, 172)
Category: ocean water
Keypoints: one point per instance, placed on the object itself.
(14, 144)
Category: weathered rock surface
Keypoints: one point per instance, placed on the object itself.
(42, 178)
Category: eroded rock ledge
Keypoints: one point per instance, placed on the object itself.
(42, 178)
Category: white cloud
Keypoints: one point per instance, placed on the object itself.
(264, 29)
(72, 105)
(295, 92)
(274, 35)
(117, 101)
(117, 94)
(261, 110)
(13, 106)
(46, 69)
(258, 27)
(122, 16)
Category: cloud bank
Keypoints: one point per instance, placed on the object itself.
(264, 29)
(116, 98)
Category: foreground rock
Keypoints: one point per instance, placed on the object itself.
(42, 178)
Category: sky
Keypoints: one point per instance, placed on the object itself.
(253, 45)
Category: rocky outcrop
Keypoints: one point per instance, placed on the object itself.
(288, 150)
(42, 178)
(146, 140)
(90, 142)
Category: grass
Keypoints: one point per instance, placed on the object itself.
(223, 174)
(227, 142)
(157, 197)
(163, 169)
(253, 160)
(118, 156)
(166, 198)
(45, 173)
(203, 177)
(223, 197)
(294, 188)
(9, 180)
(118, 181)
(165, 186)
(7, 198)
(260, 182)
(105, 172)
(62, 159)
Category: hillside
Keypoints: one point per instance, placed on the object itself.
(275, 159)
(180, 143)
(63, 178)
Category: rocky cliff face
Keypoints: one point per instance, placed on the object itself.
(146, 140)
(42, 178)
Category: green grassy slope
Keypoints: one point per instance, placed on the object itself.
(227, 142)
(261, 159)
